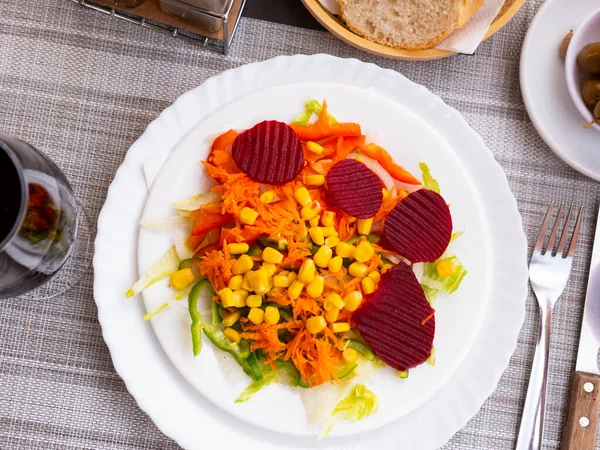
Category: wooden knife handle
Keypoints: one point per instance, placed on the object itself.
(581, 426)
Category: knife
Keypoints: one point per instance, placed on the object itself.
(581, 426)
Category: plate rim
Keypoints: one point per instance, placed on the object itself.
(282, 67)
(349, 37)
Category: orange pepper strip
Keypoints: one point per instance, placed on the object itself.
(383, 157)
(347, 145)
(323, 128)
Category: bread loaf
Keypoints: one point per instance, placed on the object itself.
(407, 24)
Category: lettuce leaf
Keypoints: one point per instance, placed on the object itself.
(310, 107)
(156, 311)
(428, 181)
(165, 223)
(433, 284)
(195, 201)
(165, 266)
(456, 235)
(268, 377)
(360, 403)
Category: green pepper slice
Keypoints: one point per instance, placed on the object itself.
(361, 348)
(219, 340)
(186, 263)
(254, 251)
(197, 324)
(254, 367)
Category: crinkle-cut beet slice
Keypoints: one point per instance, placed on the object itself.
(420, 226)
(355, 188)
(269, 152)
(397, 321)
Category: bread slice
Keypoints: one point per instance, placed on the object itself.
(407, 24)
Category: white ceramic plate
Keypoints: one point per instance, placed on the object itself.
(178, 409)
(545, 90)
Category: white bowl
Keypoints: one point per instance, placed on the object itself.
(588, 32)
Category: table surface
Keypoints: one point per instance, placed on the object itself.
(82, 87)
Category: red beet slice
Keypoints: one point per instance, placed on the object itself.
(419, 227)
(355, 188)
(269, 152)
(397, 321)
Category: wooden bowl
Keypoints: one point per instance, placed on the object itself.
(339, 29)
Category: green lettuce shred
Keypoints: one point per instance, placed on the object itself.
(360, 403)
(456, 235)
(156, 311)
(165, 266)
(433, 284)
(428, 181)
(310, 107)
(268, 377)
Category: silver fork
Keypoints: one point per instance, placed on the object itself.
(549, 271)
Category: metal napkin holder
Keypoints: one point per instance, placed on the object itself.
(150, 16)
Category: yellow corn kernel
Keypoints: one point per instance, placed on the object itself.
(226, 296)
(359, 159)
(350, 355)
(254, 301)
(295, 289)
(248, 216)
(235, 282)
(364, 226)
(260, 281)
(329, 231)
(314, 222)
(239, 298)
(315, 288)
(335, 264)
(385, 193)
(284, 273)
(272, 315)
(333, 301)
(363, 252)
(238, 249)
(386, 267)
(368, 285)
(350, 219)
(344, 250)
(246, 281)
(311, 210)
(375, 275)
(340, 327)
(182, 279)
(256, 316)
(358, 269)
(270, 255)
(242, 265)
(269, 267)
(328, 219)
(316, 234)
(314, 147)
(316, 324)
(332, 241)
(307, 271)
(281, 281)
(232, 335)
(353, 300)
(444, 268)
(267, 197)
(323, 256)
(302, 196)
(292, 276)
(332, 315)
(315, 180)
(230, 319)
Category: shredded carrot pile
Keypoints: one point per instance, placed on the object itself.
(316, 355)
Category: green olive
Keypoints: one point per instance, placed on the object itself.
(589, 58)
(590, 91)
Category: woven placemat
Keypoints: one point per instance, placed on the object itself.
(82, 87)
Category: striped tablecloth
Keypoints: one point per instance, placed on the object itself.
(82, 87)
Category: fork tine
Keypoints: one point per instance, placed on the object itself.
(575, 232)
(542, 235)
(550, 245)
(563, 237)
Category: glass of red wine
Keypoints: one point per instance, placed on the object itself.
(45, 238)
